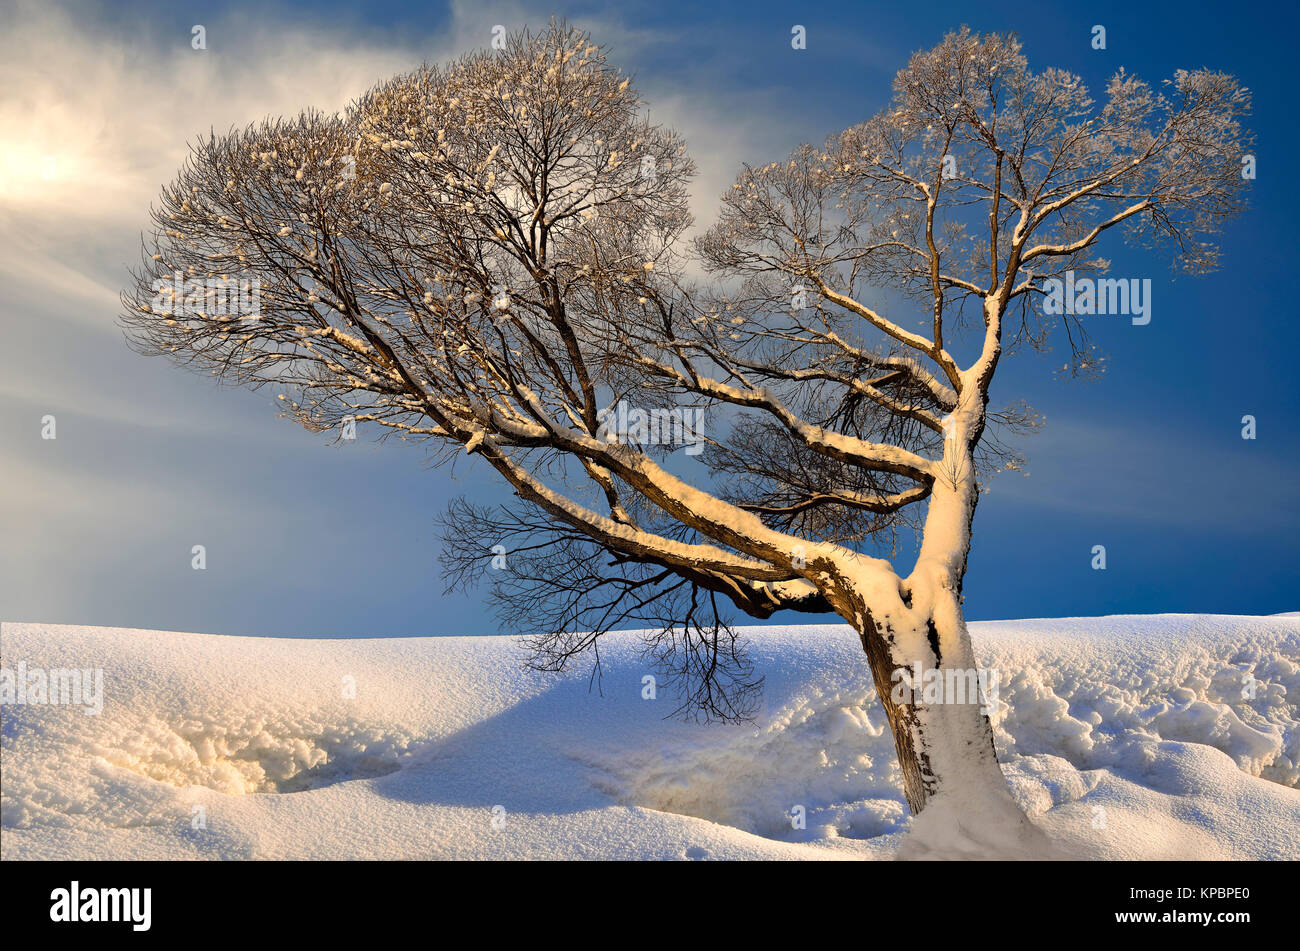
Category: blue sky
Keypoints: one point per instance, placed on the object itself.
(304, 537)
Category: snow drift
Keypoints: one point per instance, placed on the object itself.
(1171, 736)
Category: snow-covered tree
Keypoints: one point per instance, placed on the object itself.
(489, 258)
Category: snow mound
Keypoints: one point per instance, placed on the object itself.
(1171, 736)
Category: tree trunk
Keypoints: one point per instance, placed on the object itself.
(941, 731)
(942, 734)
(949, 738)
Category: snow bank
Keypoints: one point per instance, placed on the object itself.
(1171, 736)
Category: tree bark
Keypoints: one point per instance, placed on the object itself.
(945, 742)
(950, 771)
(950, 741)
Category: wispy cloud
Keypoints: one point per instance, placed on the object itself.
(99, 108)
(1140, 475)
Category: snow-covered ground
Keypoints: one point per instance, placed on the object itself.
(1123, 737)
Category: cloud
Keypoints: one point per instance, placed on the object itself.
(1143, 476)
(96, 117)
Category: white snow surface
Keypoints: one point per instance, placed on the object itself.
(1123, 738)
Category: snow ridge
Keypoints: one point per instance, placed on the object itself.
(1172, 736)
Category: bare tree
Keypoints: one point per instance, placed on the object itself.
(488, 258)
